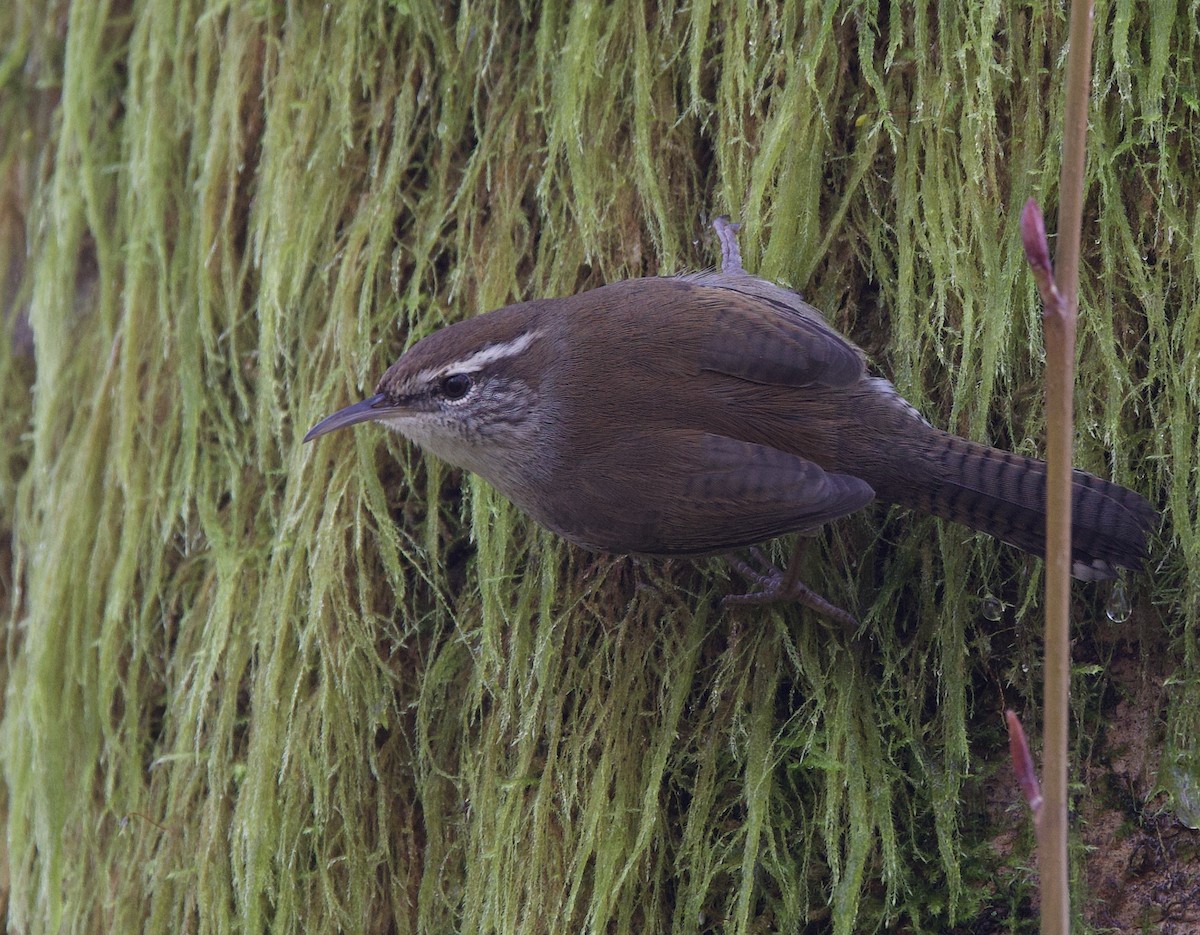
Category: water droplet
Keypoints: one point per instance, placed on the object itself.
(1118, 607)
(991, 607)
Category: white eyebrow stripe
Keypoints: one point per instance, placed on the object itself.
(480, 359)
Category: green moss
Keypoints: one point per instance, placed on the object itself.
(253, 685)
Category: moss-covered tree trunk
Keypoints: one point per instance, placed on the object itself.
(251, 685)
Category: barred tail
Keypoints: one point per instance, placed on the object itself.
(1004, 495)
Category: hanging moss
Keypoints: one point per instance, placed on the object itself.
(252, 685)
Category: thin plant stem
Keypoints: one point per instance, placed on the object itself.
(1059, 319)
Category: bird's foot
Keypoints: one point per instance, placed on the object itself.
(731, 254)
(774, 585)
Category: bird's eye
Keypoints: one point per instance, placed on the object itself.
(455, 386)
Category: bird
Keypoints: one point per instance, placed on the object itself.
(709, 412)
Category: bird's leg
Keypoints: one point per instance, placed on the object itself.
(775, 585)
(731, 253)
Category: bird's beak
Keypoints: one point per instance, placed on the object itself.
(371, 408)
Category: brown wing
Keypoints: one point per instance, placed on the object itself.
(765, 334)
(708, 494)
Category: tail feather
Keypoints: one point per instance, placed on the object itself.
(1004, 495)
